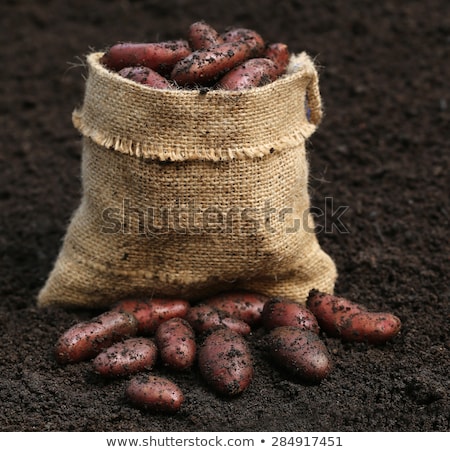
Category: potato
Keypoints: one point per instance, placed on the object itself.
(154, 393)
(127, 357)
(145, 76)
(331, 311)
(203, 36)
(175, 339)
(225, 362)
(301, 352)
(151, 313)
(203, 318)
(244, 306)
(203, 66)
(286, 312)
(370, 327)
(85, 340)
(251, 37)
(250, 74)
(279, 54)
(159, 56)
(352, 321)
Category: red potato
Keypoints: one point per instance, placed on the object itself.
(159, 56)
(241, 305)
(203, 36)
(351, 321)
(300, 352)
(203, 318)
(284, 312)
(86, 339)
(175, 339)
(127, 357)
(151, 313)
(225, 362)
(203, 66)
(279, 54)
(145, 76)
(331, 311)
(247, 35)
(154, 393)
(371, 327)
(250, 74)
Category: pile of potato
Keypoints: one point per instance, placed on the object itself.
(136, 336)
(237, 59)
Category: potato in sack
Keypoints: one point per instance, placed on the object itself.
(187, 193)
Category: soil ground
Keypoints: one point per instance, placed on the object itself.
(382, 150)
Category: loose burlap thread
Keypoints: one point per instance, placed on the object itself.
(188, 193)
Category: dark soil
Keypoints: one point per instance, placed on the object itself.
(382, 150)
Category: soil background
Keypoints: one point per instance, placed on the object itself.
(382, 150)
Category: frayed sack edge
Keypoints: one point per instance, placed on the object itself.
(113, 134)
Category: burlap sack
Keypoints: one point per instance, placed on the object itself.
(187, 193)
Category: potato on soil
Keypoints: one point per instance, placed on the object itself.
(154, 393)
(244, 306)
(331, 310)
(127, 357)
(151, 313)
(351, 321)
(85, 340)
(286, 312)
(175, 339)
(225, 362)
(370, 327)
(203, 318)
(301, 352)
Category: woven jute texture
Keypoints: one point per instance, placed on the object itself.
(188, 193)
